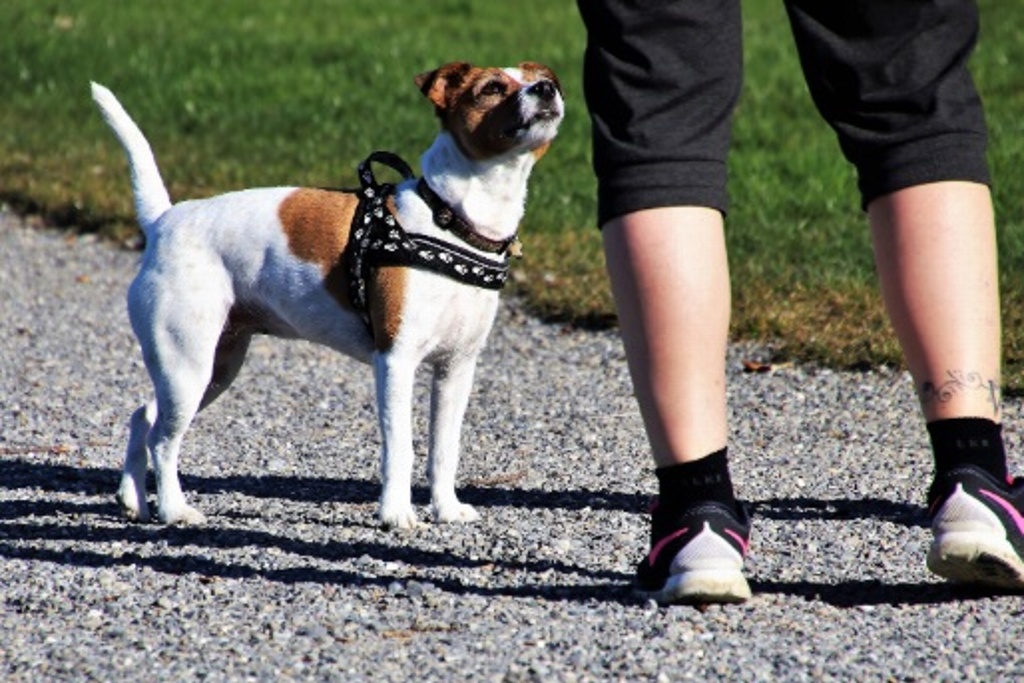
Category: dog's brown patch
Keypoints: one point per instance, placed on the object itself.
(317, 223)
(386, 299)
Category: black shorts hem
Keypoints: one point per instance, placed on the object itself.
(945, 158)
(657, 185)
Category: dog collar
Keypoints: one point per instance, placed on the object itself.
(446, 219)
(378, 240)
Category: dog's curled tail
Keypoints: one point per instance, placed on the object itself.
(151, 198)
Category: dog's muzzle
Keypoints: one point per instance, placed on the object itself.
(539, 103)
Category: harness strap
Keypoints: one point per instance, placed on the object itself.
(378, 240)
(389, 159)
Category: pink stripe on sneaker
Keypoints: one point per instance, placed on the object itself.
(1015, 515)
(660, 545)
(744, 543)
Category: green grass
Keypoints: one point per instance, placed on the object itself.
(241, 93)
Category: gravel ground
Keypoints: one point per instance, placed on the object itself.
(292, 579)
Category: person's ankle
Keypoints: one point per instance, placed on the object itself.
(685, 484)
(968, 441)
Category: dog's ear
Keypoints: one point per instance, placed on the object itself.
(435, 84)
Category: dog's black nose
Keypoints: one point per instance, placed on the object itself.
(545, 90)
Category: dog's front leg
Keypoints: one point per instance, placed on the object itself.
(395, 377)
(449, 399)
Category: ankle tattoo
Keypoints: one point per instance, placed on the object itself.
(957, 382)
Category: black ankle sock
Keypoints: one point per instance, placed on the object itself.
(968, 441)
(706, 479)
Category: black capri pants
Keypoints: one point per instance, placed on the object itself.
(662, 77)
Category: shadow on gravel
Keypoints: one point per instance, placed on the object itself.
(17, 530)
(868, 593)
(15, 474)
(602, 585)
(24, 522)
(786, 509)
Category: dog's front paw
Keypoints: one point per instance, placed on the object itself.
(184, 515)
(398, 516)
(455, 512)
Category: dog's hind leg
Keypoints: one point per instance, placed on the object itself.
(450, 396)
(227, 362)
(179, 389)
(179, 334)
(131, 495)
(184, 397)
(184, 401)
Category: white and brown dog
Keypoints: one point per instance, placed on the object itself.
(290, 262)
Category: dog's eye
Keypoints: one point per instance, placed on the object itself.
(492, 88)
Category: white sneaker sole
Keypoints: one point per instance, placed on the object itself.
(966, 557)
(971, 546)
(702, 586)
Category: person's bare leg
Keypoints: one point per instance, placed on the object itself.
(936, 252)
(935, 249)
(670, 279)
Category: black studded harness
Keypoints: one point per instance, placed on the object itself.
(378, 240)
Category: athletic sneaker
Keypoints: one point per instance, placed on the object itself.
(978, 522)
(696, 555)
